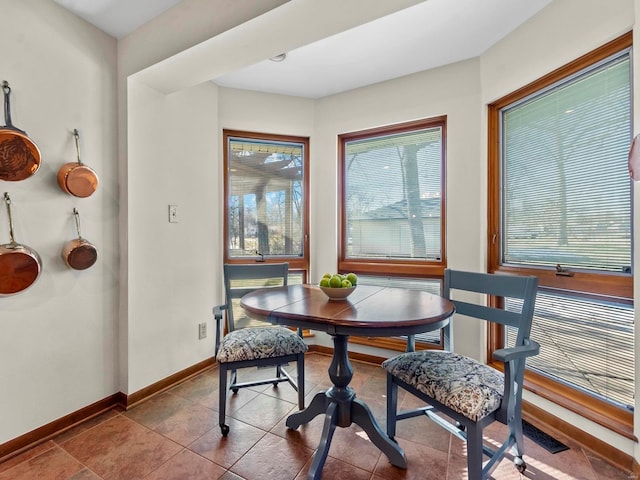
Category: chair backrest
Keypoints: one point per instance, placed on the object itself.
(240, 279)
(522, 288)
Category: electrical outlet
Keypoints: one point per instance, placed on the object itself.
(202, 331)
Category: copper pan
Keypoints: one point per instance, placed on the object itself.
(79, 254)
(20, 266)
(75, 178)
(19, 155)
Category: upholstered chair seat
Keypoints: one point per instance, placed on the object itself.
(458, 382)
(258, 343)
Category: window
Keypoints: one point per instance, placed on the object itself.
(392, 206)
(560, 208)
(266, 206)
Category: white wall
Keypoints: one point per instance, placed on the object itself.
(173, 267)
(58, 339)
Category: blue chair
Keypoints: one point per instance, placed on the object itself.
(251, 343)
(471, 393)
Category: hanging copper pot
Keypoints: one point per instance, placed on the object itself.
(79, 253)
(20, 266)
(75, 178)
(19, 155)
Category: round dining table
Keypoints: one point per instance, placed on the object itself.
(369, 311)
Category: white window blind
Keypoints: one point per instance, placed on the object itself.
(583, 343)
(426, 285)
(393, 201)
(566, 188)
(265, 198)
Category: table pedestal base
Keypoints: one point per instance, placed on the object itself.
(342, 408)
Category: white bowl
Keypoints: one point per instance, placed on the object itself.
(337, 293)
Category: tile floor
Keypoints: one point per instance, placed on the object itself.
(175, 436)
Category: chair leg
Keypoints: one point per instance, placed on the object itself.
(222, 403)
(392, 406)
(233, 381)
(515, 430)
(300, 369)
(474, 452)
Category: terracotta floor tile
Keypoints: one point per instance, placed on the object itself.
(273, 458)
(236, 401)
(284, 391)
(315, 370)
(352, 445)
(264, 411)
(200, 389)
(121, 449)
(157, 410)
(373, 386)
(424, 431)
(457, 467)
(86, 425)
(568, 465)
(226, 451)
(336, 469)
(231, 476)
(85, 474)
(187, 465)
(26, 455)
(605, 471)
(423, 463)
(188, 423)
(52, 464)
(307, 435)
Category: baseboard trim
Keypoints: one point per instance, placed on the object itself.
(166, 383)
(50, 430)
(46, 432)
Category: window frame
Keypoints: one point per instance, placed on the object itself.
(296, 263)
(393, 267)
(433, 269)
(617, 286)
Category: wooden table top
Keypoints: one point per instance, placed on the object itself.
(369, 310)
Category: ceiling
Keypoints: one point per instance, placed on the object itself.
(430, 34)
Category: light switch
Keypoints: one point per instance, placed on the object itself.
(173, 214)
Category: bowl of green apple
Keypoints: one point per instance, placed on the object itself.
(337, 286)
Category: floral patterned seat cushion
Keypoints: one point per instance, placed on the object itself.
(260, 342)
(461, 383)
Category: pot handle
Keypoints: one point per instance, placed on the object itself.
(6, 89)
(76, 134)
(7, 200)
(77, 215)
